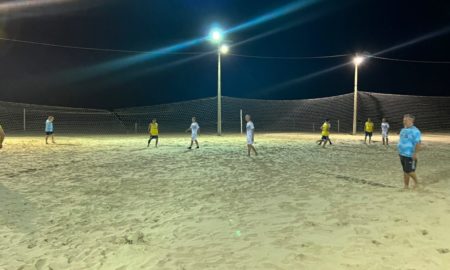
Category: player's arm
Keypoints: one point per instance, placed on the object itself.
(418, 141)
(187, 130)
(416, 149)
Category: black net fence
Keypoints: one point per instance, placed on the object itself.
(432, 114)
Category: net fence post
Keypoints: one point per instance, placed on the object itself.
(314, 128)
(135, 127)
(339, 128)
(240, 113)
(24, 119)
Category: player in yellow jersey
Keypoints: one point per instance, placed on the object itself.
(153, 129)
(325, 133)
(2, 136)
(368, 129)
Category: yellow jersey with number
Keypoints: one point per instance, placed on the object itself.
(326, 129)
(153, 129)
(368, 127)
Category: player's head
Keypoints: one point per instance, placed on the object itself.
(51, 118)
(408, 120)
(154, 120)
(248, 117)
(384, 120)
(327, 120)
(369, 120)
(194, 119)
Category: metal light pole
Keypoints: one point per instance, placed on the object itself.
(223, 49)
(356, 61)
(219, 95)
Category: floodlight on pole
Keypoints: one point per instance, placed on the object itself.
(224, 49)
(216, 35)
(357, 60)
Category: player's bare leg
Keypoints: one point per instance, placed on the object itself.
(406, 180)
(250, 148)
(196, 142)
(192, 142)
(414, 178)
(53, 139)
(149, 141)
(2, 137)
(387, 141)
(156, 144)
(46, 139)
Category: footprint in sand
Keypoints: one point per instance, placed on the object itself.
(443, 250)
(375, 242)
(361, 230)
(40, 264)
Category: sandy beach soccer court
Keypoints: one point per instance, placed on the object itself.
(109, 202)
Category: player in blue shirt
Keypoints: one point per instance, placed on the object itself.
(408, 146)
(49, 129)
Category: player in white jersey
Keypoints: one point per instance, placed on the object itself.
(250, 130)
(194, 128)
(385, 131)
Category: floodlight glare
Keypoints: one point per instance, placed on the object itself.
(216, 35)
(357, 60)
(224, 49)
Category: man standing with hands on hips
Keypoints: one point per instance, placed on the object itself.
(408, 146)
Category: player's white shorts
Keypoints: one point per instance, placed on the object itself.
(249, 139)
(194, 136)
(385, 134)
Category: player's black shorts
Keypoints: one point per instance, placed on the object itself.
(409, 165)
(49, 133)
(369, 134)
(153, 136)
(324, 138)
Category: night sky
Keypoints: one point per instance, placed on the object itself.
(95, 79)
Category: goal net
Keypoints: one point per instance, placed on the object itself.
(27, 118)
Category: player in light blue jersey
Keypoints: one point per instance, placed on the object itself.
(49, 129)
(408, 146)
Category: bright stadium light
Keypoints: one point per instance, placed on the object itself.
(357, 60)
(224, 49)
(216, 35)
